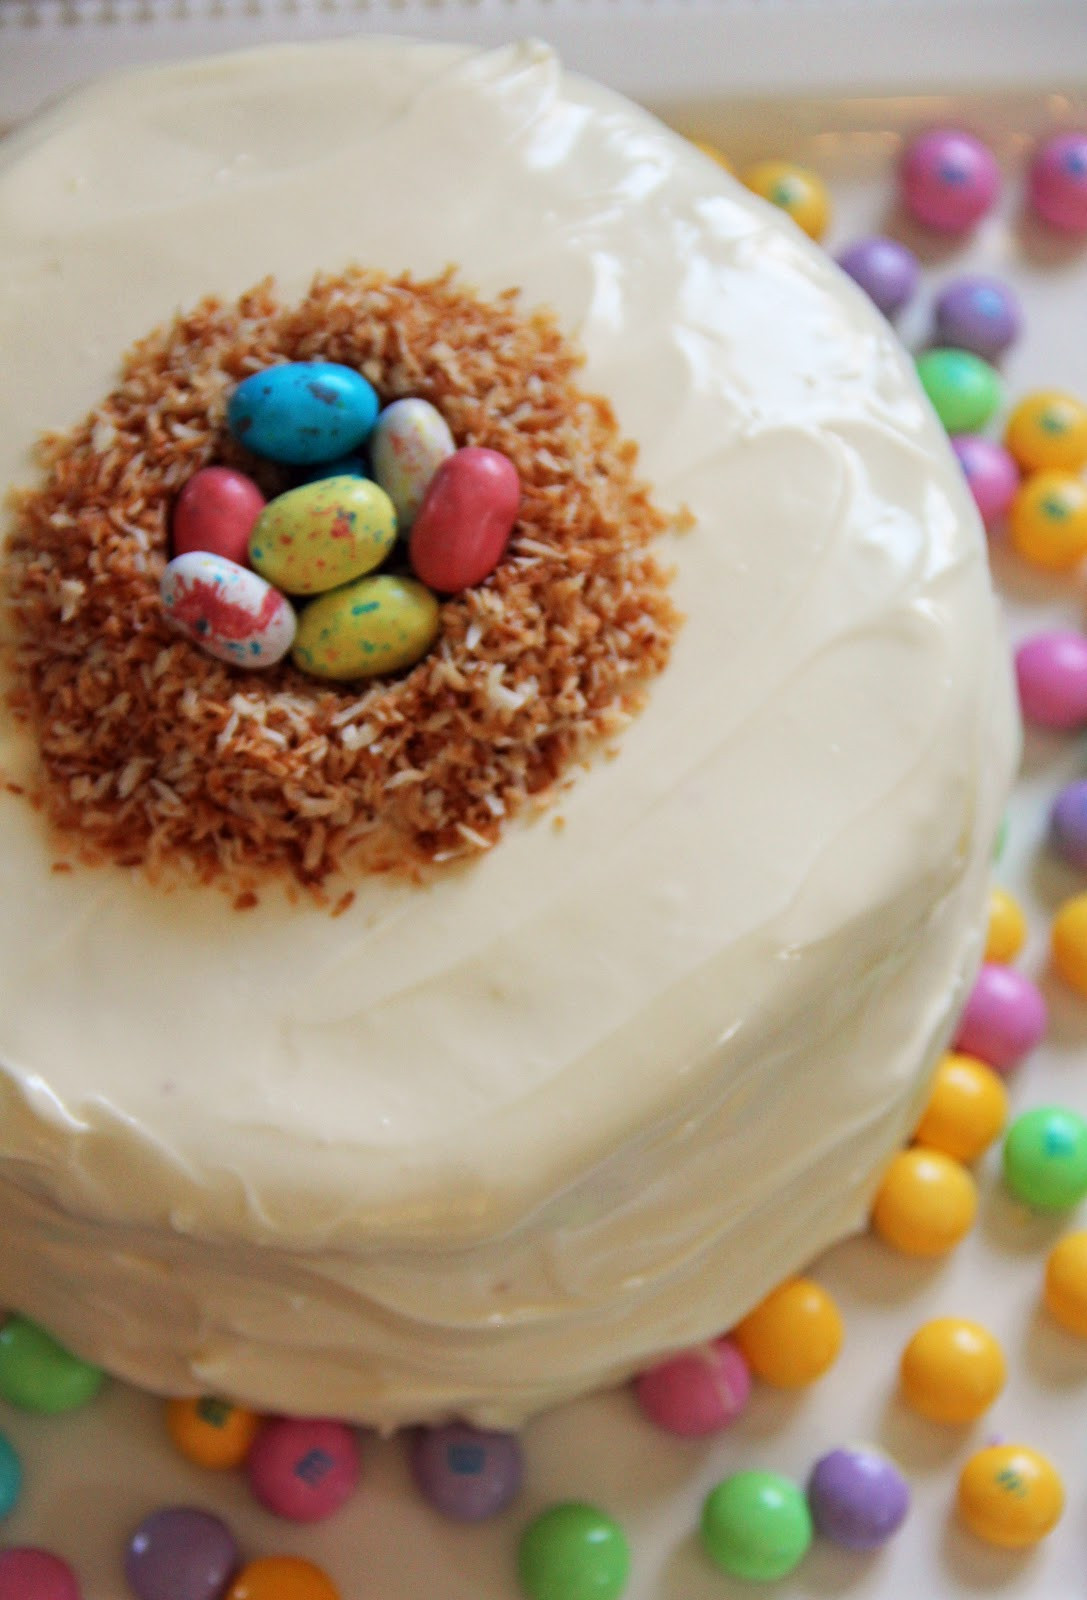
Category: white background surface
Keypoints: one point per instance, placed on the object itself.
(90, 1477)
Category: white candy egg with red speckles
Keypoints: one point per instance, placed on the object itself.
(410, 441)
(227, 610)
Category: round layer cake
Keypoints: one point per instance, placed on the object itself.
(491, 1139)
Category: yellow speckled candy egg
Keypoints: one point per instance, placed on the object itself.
(376, 625)
(322, 535)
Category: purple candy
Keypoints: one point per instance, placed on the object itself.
(1058, 182)
(1051, 669)
(467, 1473)
(978, 314)
(949, 180)
(858, 1498)
(1068, 824)
(696, 1393)
(180, 1553)
(887, 271)
(1005, 1017)
(990, 471)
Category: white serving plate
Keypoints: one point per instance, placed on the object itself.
(92, 1476)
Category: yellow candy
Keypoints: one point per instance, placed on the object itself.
(926, 1203)
(282, 1578)
(374, 626)
(1010, 1496)
(1007, 927)
(714, 154)
(801, 193)
(952, 1370)
(1069, 943)
(793, 1336)
(1066, 1283)
(1047, 521)
(967, 1109)
(1048, 429)
(210, 1432)
(322, 535)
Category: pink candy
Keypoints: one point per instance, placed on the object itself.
(949, 180)
(991, 473)
(304, 1469)
(30, 1574)
(1058, 182)
(1005, 1017)
(696, 1393)
(465, 521)
(1051, 669)
(215, 511)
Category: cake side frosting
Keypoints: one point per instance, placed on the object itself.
(474, 1148)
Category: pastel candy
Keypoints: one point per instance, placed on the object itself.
(215, 511)
(227, 610)
(376, 625)
(410, 441)
(466, 519)
(323, 534)
(303, 411)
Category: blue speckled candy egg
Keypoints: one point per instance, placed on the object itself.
(303, 411)
(374, 626)
(323, 534)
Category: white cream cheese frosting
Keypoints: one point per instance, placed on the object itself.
(473, 1148)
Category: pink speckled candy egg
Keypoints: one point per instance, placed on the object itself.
(949, 179)
(698, 1392)
(1058, 182)
(1005, 1017)
(304, 1469)
(1051, 670)
(27, 1573)
(990, 472)
(215, 511)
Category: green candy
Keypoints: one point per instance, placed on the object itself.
(964, 389)
(573, 1552)
(756, 1525)
(38, 1375)
(1045, 1158)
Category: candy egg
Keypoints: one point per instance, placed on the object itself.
(1047, 520)
(410, 441)
(949, 180)
(323, 534)
(952, 1370)
(698, 1392)
(964, 389)
(1004, 1018)
(465, 520)
(215, 511)
(858, 1498)
(1066, 1283)
(573, 1551)
(978, 314)
(282, 1578)
(303, 411)
(304, 1469)
(1045, 1158)
(11, 1477)
(468, 1474)
(1048, 431)
(1010, 1495)
(37, 1374)
(227, 610)
(1068, 824)
(1069, 943)
(1007, 931)
(796, 190)
(886, 270)
(352, 466)
(27, 1573)
(793, 1336)
(756, 1525)
(1058, 182)
(925, 1204)
(180, 1553)
(376, 625)
(1051, 670)
(966, 1111)
(212, 1433)
(990, 472)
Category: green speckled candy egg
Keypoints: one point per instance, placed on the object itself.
(376, 625)
(323, 534)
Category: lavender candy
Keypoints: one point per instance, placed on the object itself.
(887, 271)
(978, 314)
(858, 1497)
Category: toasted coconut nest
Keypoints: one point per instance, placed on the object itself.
(155, 755)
